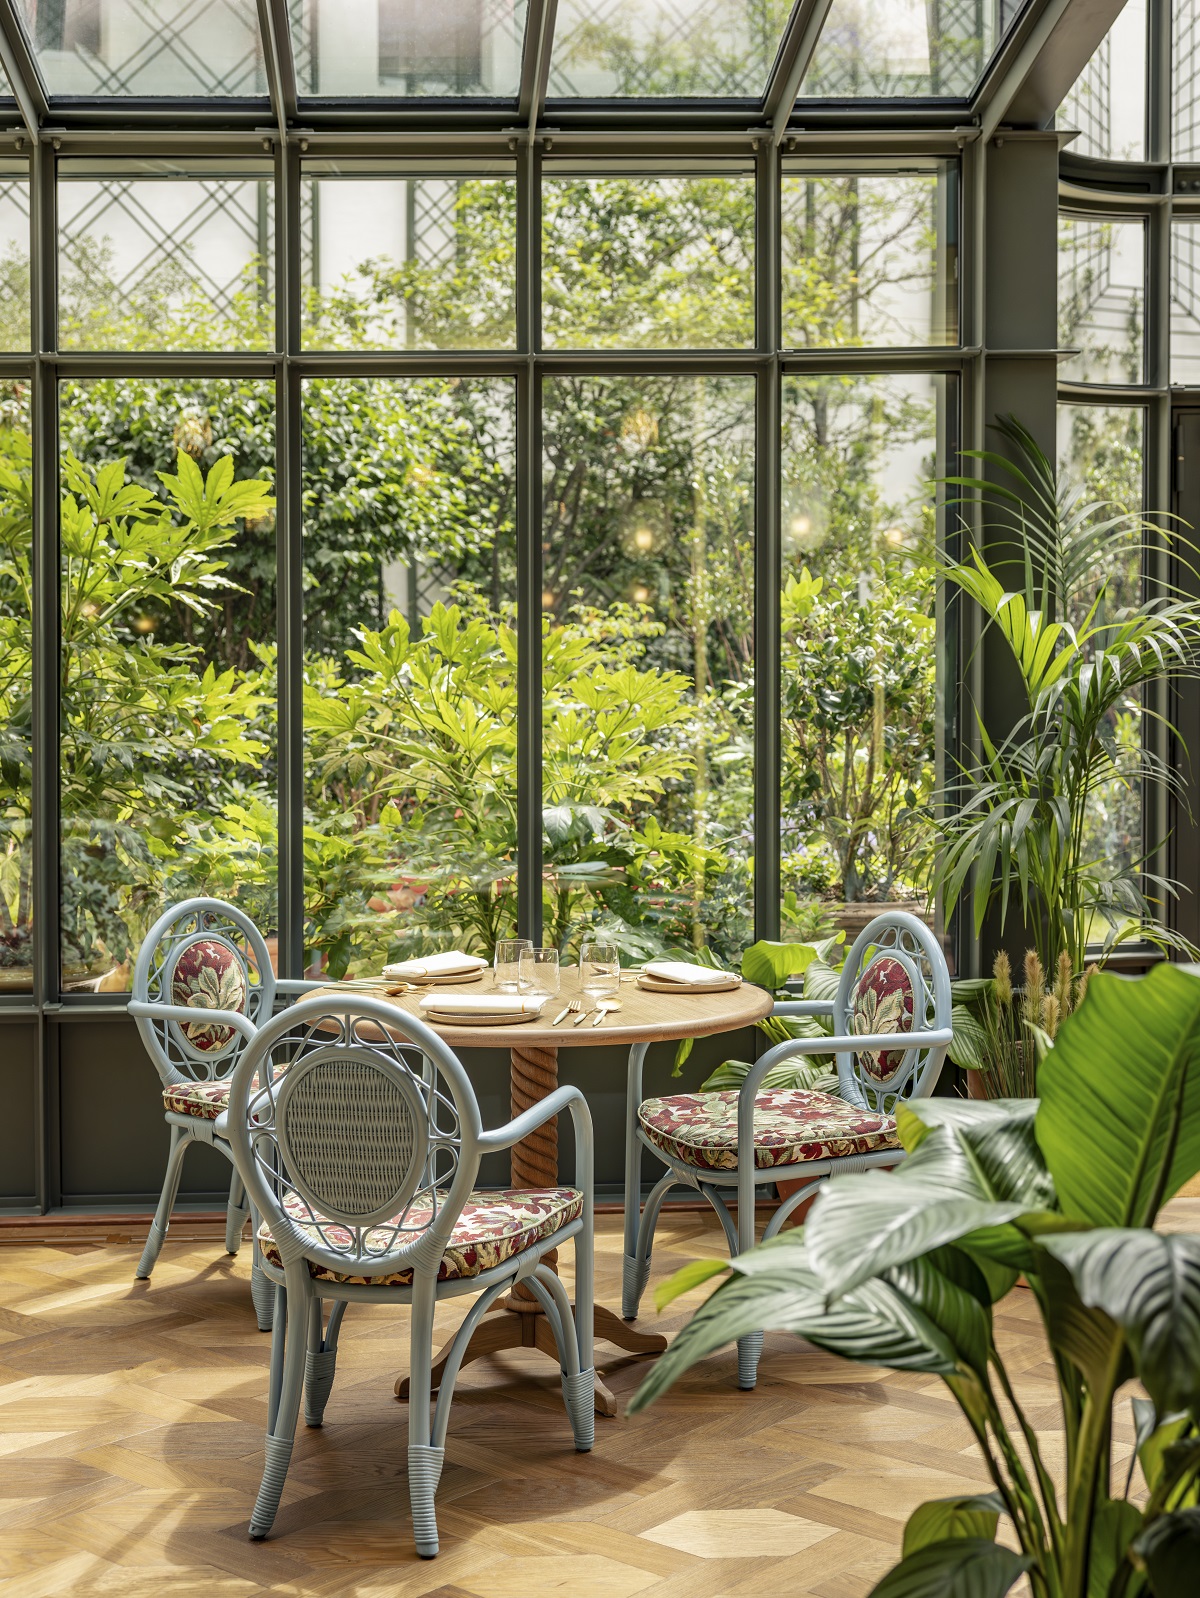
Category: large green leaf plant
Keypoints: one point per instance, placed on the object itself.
(903, 1269)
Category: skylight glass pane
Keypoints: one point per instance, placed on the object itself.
(1108, 101)
(136, 47)
(891, 49)
(644, 49)
(403, 48)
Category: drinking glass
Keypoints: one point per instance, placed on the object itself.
(599, 967)
(539, 971)
(506, 963)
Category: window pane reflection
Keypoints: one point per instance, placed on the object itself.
(1101, 456)
(410, 262)
(168, 47)
(870, 258)
(14, 261)
(168, 661)
(1101, 298)
(16, 687)
(1108, 101)
(408, 48)
(858, 665)
(892, 48)
(1185, 302)
(647, 263)
(410, 669)
(647, 663)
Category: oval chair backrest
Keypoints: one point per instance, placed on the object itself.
(356, 1131)
(208, 955)
(895, 979)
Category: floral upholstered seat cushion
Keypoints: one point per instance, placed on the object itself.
(491, 1229)
(204, 1100)
(883, 1002)
(791, 1127)
(209, 975)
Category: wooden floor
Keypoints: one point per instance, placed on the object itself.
(131, 1421)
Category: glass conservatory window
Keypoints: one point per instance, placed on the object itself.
(1101, 298)
(858, 665)
(14, 257)
(1101, 452)
(16, 686)
(155, 261)
(647, 262)
(414, 260)
(648, 659)
(656, 48)
(167, 47)
(870, 257)
(1185, 81)
(1185, 301)
(1108, 101)
(888, 49)
(408, 48)
(410, 665)
(167, 764)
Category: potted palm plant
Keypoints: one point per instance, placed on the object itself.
(903, 1270)
(1086, 654)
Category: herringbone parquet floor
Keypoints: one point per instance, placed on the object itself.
(131, 1419)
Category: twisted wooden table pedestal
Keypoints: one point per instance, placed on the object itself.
(521, 1322)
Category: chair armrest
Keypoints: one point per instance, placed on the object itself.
(294, 987)
(190, 1014)
(853, 1045)
(503, 1137)
(803, 1007)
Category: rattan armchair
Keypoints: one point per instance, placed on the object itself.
(891, 1029)
(357, 1134)
(202, 961)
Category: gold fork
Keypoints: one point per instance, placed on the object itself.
(572, 1009)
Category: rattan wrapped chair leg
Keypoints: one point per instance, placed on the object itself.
(358, 1136)
(891, 1029)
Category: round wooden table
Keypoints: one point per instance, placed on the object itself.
(533, 1047)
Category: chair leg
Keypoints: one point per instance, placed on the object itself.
(281, 1436)
(424, 1461)
(320, 1362)
(262, 1292)
(180, 1138)
(749, 1349)
(636, 1265)
(237, 1211)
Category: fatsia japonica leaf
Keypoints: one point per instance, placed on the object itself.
(1119, 1119)
(1149, 1284)
(960, 1567)
(942, 1519)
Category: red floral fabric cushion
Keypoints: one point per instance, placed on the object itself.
(204, 1100)
(209, 976)
(883, 1002)
(491, 1229)
(791, 1126)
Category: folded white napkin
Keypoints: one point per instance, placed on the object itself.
(482, 1003)
(451, 963)
(685, 973)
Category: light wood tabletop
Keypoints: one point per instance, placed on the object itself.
(533, 1045)
(644, 1017)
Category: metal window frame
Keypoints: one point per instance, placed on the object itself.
(286, 128)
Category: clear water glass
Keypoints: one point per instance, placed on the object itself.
(506, 963)
(599, 967)
(539, 971)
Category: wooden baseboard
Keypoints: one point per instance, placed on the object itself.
(64, 1227)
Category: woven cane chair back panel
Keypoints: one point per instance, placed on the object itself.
(354, 1134)
(356, 1141)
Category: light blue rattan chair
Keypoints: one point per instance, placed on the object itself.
(360, 1147)
(891, 1029)
(199, 961)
